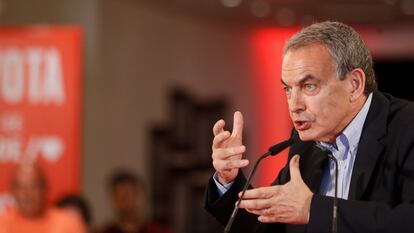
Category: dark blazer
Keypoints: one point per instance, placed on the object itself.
(381, 195)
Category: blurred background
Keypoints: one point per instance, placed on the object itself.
(155, 75)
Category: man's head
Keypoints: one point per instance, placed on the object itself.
(28, 186)
(327, 74)
(127, 194)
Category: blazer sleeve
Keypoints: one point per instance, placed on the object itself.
(222, 207)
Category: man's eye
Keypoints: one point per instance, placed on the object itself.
(310, 87)
(287, 89)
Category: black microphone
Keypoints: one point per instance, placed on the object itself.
(273, 150)
(335, 199)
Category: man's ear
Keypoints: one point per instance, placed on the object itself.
(357, 79)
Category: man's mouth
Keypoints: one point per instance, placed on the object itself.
(302, 125)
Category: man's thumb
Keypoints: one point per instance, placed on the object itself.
(294, 169)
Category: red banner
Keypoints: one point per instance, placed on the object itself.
(273, 124)
(40, 104)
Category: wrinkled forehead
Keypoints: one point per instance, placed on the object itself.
(308, 63)
(317, 49)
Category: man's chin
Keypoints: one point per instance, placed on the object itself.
(306, 136)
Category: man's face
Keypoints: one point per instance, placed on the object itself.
(319, 103)
(29, 192)
(127, 199)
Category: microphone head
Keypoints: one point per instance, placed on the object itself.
(275, 149)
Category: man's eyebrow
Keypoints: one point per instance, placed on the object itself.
(306, 78)
(301, 81)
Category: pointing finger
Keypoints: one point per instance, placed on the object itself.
(238, 125)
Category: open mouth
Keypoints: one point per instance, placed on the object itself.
(302, 125)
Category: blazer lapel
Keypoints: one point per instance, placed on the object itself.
(365, 161)
(313, 164)
(369, 147)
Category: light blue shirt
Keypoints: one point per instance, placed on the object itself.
(221, 188)
(344, 151)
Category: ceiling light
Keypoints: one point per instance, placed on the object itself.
(390, 2)
(407, 7)
(285, 16)
(260, 8)
(231, 3)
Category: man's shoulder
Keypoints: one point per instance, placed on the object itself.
(8, 215)
(391, 110)
(57, 213)
(400, 111)
(64, 220)
(396, 120)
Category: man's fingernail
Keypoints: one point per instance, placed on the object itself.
(296, 159)
(241, 149)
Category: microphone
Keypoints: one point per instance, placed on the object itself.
(273, 150)
(335, 199)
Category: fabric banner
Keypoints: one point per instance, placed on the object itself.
(40, 105)
(273, 121)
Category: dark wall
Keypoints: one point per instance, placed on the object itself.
(395, 77)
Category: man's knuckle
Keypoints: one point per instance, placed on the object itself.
(218, 165)
(230, 164)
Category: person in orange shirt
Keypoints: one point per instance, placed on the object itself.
(32, 214)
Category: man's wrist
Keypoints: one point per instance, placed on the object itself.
(222, 188)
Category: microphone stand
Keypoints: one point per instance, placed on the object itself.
(335, 199)
(275, 149)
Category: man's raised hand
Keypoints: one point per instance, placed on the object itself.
(228, 149)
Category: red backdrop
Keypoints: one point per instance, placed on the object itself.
(40, 104)
(274, 124)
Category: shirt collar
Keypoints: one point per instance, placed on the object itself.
(352, 133)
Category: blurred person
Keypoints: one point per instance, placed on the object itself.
(77, 206)
(128, 197)
(32, 214)
(336, 110)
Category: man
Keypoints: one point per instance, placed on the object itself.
(331, 91)
(32, 214)
(128, 197)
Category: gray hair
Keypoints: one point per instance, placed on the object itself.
(344, 45)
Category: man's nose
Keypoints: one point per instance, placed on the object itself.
(296, 102)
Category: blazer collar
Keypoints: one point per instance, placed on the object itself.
(369, 147)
